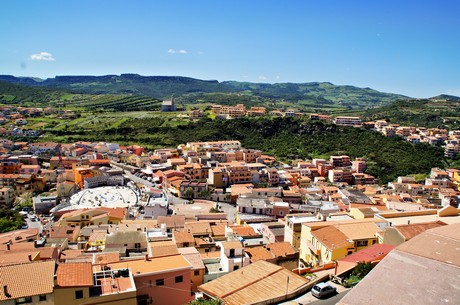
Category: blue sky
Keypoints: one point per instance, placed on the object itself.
(406, 47)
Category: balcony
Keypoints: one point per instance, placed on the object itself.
(313, 249)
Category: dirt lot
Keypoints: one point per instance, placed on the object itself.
(190, 210)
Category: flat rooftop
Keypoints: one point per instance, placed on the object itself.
(105, 196)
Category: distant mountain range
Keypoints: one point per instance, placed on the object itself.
(161, 87)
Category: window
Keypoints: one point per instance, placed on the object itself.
(24, 300)
(79, 294)
(196, 272)
(361, 243)
(42, 297)
(160, 282)
(179, 279)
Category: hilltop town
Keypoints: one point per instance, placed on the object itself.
(106, 223)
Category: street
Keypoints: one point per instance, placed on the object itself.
(308, 298)
(332, 300)
(34, 224)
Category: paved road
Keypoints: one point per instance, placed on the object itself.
(308, 298)
(172, 199)
(228, 209)
(34, 224)
(332, 300)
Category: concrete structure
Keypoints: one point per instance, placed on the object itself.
(422, 270)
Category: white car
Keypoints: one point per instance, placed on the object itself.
(323, 290)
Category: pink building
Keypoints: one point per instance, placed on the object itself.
(161, 280)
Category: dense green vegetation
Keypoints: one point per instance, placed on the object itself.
(286, 138)
(360, 271)
(427, 113)
(24, 95)
(201, 301)
(10, 220)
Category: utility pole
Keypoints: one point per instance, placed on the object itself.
(287, 285)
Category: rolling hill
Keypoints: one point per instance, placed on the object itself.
(302, 95)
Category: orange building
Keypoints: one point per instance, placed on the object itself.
(80, 173)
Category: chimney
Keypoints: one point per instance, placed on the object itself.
(8, 247)
(146, 257)
(5, 291)
(30, 257)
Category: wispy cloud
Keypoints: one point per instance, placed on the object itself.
(173, 51)
(278, 77)
(261, 77)
(42, 56)
(200, 53)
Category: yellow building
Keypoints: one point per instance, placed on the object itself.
(456, 180)
(322, 243)
(86, 217)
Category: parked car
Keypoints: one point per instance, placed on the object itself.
(323, 290)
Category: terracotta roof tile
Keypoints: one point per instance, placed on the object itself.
(369, 254)
(259, 253)
(244, 231)
(193, 257)
(332, 237)
(74, 275)
(218, 229)
(232, 244)
(183, 237)
(15, 257)
(281, 249)
(163, 248)
(37, 275)
(198, 228)
(67, 254)
(411, 230)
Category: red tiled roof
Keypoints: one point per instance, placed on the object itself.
(28, 279)
(74, 275)
(369, 254)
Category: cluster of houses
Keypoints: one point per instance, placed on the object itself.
(312, 217)
(240, 110)
(450, 140)
(223, 170)
(99, 255)
(17, 117)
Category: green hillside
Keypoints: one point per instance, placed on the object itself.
(42, 97)
(17, 94)
(307, 96)
(434, 112)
